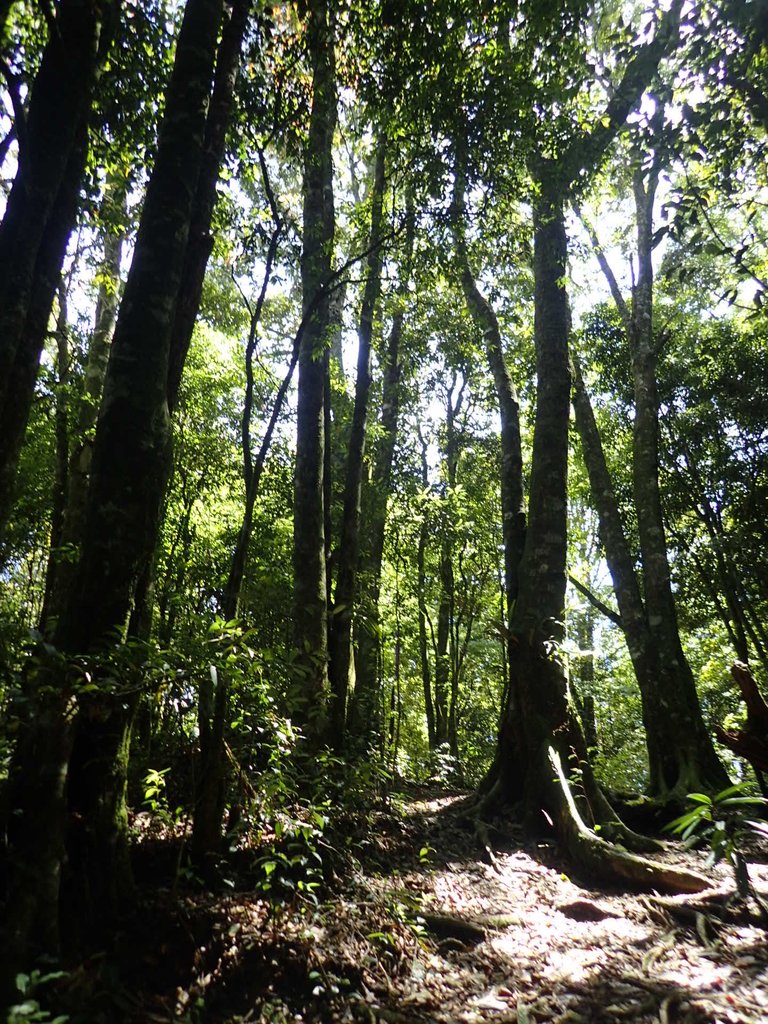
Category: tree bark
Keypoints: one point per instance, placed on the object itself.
(681, 755)
(346, 590)
(127, 485)
(200, 240)
(310, 590)
(41, 211)
(375, 494)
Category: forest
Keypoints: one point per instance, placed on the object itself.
(383, 511)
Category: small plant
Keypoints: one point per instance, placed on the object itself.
(29, 986)
(723, 822)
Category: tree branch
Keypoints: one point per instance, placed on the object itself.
(595, 601)
(610, 277)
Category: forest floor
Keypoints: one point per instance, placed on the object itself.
(425, 924)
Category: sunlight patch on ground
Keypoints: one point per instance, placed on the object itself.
(569, 950)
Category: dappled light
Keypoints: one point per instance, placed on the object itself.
(383, 489)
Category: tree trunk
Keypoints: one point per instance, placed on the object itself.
(131, 460)
(511, 469)
(375, 495)
(512, 490)
(542, 751)
(127, 484)
(345, 593)
(200, 240)
(62, 568)
(41, 211)
(681, 755)
(310, 590)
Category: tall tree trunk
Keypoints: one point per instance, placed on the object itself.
(375, 495)
(442, 674)
(310, 590)
(511, 469)
(445, 613)
(642, 651)
(200, 239)
(543, 759)
(61, 569)
(127, 484)
(681, 755)
(345, 593)
(41, 211)
(698, 766)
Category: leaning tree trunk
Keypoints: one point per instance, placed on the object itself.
(310, 598)
(41, 212)
(345, 593)
(511, 469)
(681, 755)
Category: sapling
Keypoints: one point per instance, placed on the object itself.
(724, 822)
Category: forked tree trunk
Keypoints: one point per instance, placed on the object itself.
(542, 757)
(310, 597)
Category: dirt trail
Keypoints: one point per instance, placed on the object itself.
(390, 946)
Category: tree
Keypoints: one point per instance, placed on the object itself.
(346, 590)
(128, 479)
(310, 588)
(42, 207)
(375, 495)
(541, 743)
(680, 751)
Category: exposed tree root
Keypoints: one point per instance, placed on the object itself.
(606, 861)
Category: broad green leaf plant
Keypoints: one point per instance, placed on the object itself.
(724, 822)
